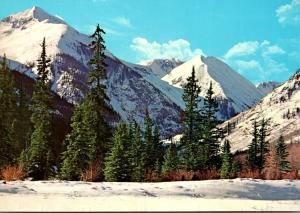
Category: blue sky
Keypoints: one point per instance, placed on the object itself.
(258, 38)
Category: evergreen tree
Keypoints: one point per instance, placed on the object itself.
(253, 148)
(38, 153)
(282, 154)
(263, 144)
(22, 126)
(80, 146)
(211, 134)
(96, 98)
(226, 169)
(158, 150)
(149, 145)
(90, 128)
(137, 155)
(117, 165)
(190, 140)
(7, 113)
(171, 159)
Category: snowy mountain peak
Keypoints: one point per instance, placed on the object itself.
(234, 92)
(33, 14)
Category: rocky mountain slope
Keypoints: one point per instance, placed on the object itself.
(235, 93)
(281, 107)
(267, 87)
(131, 87)
(162, 67)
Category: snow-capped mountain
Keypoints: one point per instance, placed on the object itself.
(282, 107)
(234, 92)
(267, 87)
(131, 87)
(162, 67)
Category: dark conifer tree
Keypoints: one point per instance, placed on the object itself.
(171, 160)
(138, 152)
(253, 148)
(191, 124)
(149, 145)
(7, 113)
(263, 144)
(38, 165)
(97, 100)
(282, 154)
(89, 126)
(211, 134)
(158, 149)
(80, 146)
(117, 164)
(226, 169)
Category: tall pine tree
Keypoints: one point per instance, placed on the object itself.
(117, 163)
(190, 140)
(282, 154)
(210, 134)
(149, 146)
(80, 146)
(39, 153)
(90, 128)
(138, 154)
(226, 169)
(171, 160)
(263, 144)
(7, 113)
(253, 148)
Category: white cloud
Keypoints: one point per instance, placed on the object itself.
(262, 65)
(57, 16)
(242, 49)
(122, 21)
(178, 49)
(248, 65)
(289, 13)
(272, 50)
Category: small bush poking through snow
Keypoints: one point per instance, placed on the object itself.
(12, 173)
(93, 173)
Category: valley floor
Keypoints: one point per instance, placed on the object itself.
(237, 194)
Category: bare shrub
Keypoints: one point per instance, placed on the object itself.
(93, 173)
(13, 173)
(272, 171)
(248, 173)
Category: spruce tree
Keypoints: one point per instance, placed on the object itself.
(117, 164)
(138, 152)
(226, 169)
(211, 134)
(96, 98)
(22, 127)
(38, 165)
(90, 128)
(253, 148)
(7, 113)
(282, 154)
(190, 141)
(171, 160)
(149, 146)
(80, 146)
(158, 150)
(263, 144)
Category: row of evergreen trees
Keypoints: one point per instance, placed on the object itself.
(126, 153)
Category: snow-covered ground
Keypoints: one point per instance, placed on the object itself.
(237, 194)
